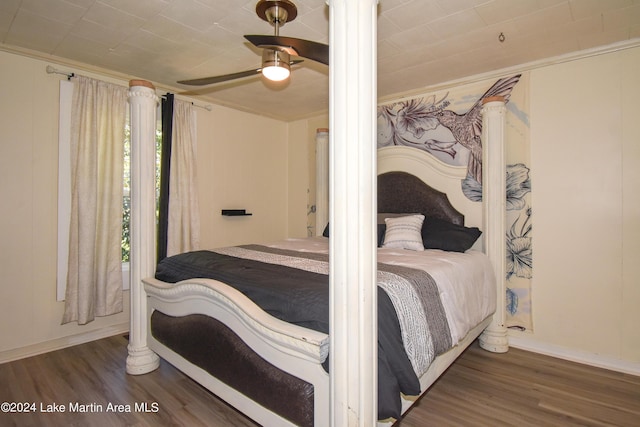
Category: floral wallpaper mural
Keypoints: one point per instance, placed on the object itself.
(448, 124)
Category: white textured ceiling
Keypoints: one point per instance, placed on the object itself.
(420, 42)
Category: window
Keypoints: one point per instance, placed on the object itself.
(126, 203)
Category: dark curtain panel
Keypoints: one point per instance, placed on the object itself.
(165, 170)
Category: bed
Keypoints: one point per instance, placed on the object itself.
(220, 337)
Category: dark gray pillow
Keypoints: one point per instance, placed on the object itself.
(441, 234)
(381, 230)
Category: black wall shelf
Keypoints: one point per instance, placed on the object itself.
(235, 212)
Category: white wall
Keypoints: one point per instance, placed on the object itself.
(585, 141)
(242, 163)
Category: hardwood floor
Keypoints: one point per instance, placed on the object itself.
(481, 389)
(521, 388)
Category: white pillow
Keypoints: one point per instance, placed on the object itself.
(404, 233)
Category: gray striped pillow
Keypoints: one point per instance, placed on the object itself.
(404, 232)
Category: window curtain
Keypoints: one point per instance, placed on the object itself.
(179, 216)
(183, 232)
(165, 172)
(94, 279)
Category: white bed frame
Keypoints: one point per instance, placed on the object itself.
(291, 348)
(347, 396)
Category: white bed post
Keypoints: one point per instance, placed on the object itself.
(494, 338)
(352, 206)
(322, 179)
(143, 102)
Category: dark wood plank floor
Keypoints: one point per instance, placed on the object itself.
(481, 389)
(521, 388)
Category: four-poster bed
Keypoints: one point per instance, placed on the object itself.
(274, 371)
(210, 330)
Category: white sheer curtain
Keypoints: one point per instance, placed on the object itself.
(94, 279)
(183, 232)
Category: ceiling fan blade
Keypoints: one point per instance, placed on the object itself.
(219, 79)
(307, 49)
(226, 77)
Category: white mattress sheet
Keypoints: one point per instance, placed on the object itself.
(466, 280)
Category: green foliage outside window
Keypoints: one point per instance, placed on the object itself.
(126, 200)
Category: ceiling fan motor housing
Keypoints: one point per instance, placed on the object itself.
(276, 12)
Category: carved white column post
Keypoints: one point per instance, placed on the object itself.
(494, 338)
(322, 179)
(143, 102)
(352, 217)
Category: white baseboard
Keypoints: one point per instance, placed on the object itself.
(64, 342)
(522, 341)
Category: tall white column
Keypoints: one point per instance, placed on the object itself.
(143, 102)
(322, 179)
(352, 206)
(494, 199)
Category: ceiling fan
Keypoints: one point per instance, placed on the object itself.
(277, 50)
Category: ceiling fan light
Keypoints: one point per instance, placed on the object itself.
(275, 73)
(275, 65)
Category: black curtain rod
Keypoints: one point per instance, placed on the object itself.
(206, 107)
